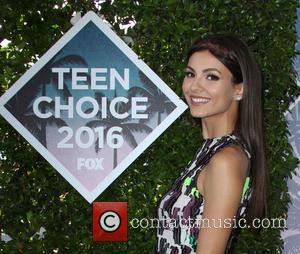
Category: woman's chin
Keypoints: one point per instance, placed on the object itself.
(197, 114)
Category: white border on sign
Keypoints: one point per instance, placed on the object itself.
(180, 106)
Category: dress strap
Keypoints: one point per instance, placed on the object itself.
(242, 145)
(215, 145)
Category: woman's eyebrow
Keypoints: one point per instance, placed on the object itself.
(189, 67)
(211, 69)
(205, 70)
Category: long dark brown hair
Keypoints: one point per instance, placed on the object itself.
(237, 57)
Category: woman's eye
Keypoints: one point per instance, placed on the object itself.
(189, 74)
(212, 77)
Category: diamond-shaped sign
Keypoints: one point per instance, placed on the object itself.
(90, 106)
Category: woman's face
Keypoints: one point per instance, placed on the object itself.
(208, 87)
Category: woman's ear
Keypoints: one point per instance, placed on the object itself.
(239, 89)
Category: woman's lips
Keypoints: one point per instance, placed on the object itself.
(199, 100)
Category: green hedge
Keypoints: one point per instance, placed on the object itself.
(33, 194)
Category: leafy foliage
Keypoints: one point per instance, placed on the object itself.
(33, 194)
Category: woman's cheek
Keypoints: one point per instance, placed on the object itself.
(185, 87)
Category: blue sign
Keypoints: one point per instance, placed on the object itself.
(90, 106)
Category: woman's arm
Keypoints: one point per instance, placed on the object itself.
(222, 189)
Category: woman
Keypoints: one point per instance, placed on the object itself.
(224, 185)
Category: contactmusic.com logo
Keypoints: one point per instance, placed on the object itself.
(110, 221)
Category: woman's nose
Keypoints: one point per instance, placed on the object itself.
(196, 85)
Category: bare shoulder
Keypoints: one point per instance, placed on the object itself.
(226, 171)
(231, 160)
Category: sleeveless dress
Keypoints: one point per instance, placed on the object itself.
(181, 207)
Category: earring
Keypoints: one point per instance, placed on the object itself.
(238, 98)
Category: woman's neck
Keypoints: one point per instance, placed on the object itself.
(216, 128)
